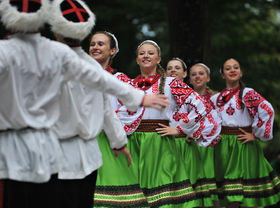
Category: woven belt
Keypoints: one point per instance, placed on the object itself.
(235, 130)
(180, 135)
(150, 125)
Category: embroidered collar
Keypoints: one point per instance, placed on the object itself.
(206, 96)
(225, 95)
(109, 69)
(145, 83)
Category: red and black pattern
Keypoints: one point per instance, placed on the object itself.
(73, 11)
(212, 121)
(226, 94)
(180, 91)
(213, 142)
(124, 78)
(178, 116)
(26, 6)
(252, 100)
(230, 110)
(260, 122)
(155, 87)
(268, 126)
(109, 69)
(144, 83)
(180, 130)
(206, 97)
(197, 134)
(134, 125)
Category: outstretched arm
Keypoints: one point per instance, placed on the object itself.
(90, 73)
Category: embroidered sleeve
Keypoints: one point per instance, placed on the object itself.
(124, 78)
(196, 118)
(130, 120)
(262, 114)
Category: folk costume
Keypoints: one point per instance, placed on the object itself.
(243, 173)
(32, 71)
(206, 156)
(158, 176)
(84, 113)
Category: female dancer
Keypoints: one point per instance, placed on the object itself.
(176, 67)
(245, 177)
(199, 77)
(103, 48)
(158, 169)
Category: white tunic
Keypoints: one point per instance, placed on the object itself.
(257, 112)
(32, 71)
(84, 113)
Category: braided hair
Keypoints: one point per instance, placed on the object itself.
(162, 74)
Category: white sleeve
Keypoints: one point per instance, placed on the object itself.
(112, 126)
(261, 112)
(199, 120)
(196, 118)
(92, 75)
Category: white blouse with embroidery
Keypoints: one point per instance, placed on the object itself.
(195, 117)
(257, 112)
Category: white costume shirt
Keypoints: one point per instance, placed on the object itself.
(84, 113)
(32, 71)
(257, 112)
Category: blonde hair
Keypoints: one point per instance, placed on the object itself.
(207, 70)
(159, 68)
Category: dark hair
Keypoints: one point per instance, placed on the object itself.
(113, 43)
(181, 61)
(241, 84)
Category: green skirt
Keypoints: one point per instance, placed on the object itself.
(206, 155)
(244, 175)
(165, 172)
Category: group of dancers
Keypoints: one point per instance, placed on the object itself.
(211, 159)
(63, 116)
